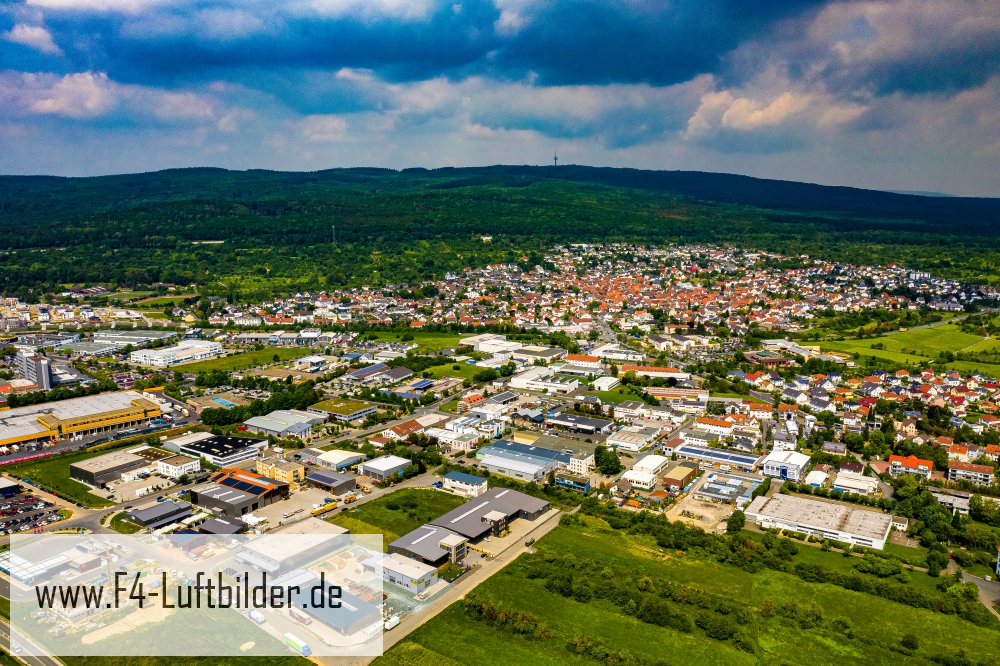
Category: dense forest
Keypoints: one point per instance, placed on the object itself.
(255, 233)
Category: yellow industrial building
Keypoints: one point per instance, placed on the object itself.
(78, 416)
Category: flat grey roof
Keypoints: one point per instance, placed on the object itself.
(424, 541)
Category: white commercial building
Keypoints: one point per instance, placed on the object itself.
(544, 379)
(606, 383)
(852, 482)
(177, 466)
(785, 465)
(380, 469)
(467, 485)
(632, 438)
(826, 519)
(408, 573)
(653, 464)
(182, 352)
(640, 479)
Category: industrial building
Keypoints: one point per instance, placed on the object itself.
(222, 526)
(380, 469)
(235, 492)
(285, 423)
(432, 545)
(728, 489)
(520, 461)
(544, 379)
(101, 470)
(466, 485)
(337, 459)
(723, 458)
(785, 465)
(491, 513)
(159, 514)
(679, 476)
(582, 424)
(332, 482)
(847, 523)
(410, 574)
(632, 438)
(852, 482)
(306, 541)
(351, 616)
(185, 351)
(342, 409)
(224, 451)
(653, 464)
(85, 416)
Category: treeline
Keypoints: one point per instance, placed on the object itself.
(59, 393)
(284, 396)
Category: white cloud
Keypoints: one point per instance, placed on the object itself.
(323, 128)
(83, 95)
(369, 10)
(749, 114)
(116, 6)
(34, 36)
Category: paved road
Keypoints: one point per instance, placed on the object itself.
(27, 646)
(457, 590)
(989, 592)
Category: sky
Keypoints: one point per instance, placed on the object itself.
(899, 95)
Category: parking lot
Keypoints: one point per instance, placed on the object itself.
(298, 506)
(24, 512)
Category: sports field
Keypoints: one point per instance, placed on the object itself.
(397, 513)
(832, 626)
(244, 360)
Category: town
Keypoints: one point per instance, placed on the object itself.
(464, 420)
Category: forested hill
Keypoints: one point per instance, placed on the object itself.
(275, 227)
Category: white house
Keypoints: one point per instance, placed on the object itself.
(176, 466)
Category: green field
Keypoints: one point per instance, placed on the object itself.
(122, 526)
(426, 341)
(465, 371)
(244, 360)
(162, 301)
(397, 513)
(852, 627)
(52, 474)
(922, 346)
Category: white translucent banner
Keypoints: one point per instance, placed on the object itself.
(196, 595)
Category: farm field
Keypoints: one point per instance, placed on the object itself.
(397, 513)
(873, 625)
(244, 360)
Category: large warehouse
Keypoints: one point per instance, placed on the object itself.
(285, 423)
(491, 513)
(101, 470)
(847, 523)
(236, 492)
(78, 416)
(183, 352)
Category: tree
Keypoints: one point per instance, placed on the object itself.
(606, 461)
(737, 519)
